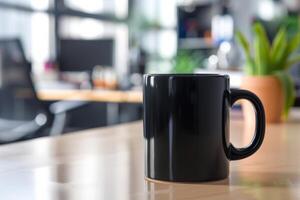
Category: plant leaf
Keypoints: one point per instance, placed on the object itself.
(264, 47)
(294, 43)
(282, 57)
(261, 32)
(250, 65)
(260, 56)
(257, 58)
(244, 43)
(281, 34)
(289, 91)
(278, 50)
(292, 61)
(185, 63)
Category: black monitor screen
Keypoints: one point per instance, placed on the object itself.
(83, 55)
(194, 22)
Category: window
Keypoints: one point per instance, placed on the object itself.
(34, 4)
(40, 25)
(33, 31)
(117, 8)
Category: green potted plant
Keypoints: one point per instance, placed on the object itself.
(266, 69)
(186, 62)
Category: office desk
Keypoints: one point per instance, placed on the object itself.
(107, 163)
(113, 96)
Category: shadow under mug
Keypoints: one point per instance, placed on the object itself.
(186, 126)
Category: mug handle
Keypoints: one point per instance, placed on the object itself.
(240, 153)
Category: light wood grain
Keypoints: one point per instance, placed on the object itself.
(91, 95)
(108, 163)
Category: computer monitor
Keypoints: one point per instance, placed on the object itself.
(84, 55)
(194, 21)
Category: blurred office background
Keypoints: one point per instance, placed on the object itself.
(109, 44)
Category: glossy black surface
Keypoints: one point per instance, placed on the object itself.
(186, 126)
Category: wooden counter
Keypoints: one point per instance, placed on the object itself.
(108, 163)
(114, 96)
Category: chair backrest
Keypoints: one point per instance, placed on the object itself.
(18, 100)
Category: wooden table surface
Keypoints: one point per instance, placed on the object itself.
(116, 96)
(108, 163)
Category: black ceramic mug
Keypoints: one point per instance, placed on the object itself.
(186, 126)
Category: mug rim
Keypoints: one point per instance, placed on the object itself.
(187, 75)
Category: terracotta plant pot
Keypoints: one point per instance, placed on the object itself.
(269, 90)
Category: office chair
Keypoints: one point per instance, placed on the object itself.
(22, 114)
